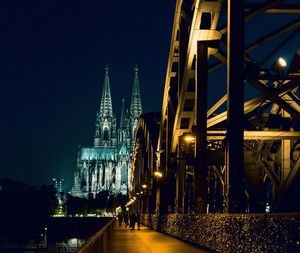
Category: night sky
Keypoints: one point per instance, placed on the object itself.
(52, 58)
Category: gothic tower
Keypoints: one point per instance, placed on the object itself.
(136, 104)
(107, 165)
(124, 130)
(106, 124)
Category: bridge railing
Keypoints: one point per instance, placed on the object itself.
(98, 243)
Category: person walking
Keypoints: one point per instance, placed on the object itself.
(120, 219)
(138, 220)
(133, 220)
(126, 219)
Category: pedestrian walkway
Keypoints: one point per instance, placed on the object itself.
(125, 240)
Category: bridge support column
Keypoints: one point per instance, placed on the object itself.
(235, 107)
(157, 200)
(180, 184)
(168, 194)
(200, 172)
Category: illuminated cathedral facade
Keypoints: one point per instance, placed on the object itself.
(106, 166)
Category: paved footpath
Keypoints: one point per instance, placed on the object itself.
(125, 240)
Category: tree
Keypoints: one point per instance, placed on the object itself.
(26, 211)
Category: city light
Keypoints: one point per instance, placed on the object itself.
(189, 138)
(144, 186)
(279, 65)
(158, 174)
(281, 62)
(131, 201)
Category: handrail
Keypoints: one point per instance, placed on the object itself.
(99, 241)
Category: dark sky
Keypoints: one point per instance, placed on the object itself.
(52, 57)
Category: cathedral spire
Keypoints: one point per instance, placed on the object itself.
(106, 104)
(106, 123)
(122, 122)
(136, 104)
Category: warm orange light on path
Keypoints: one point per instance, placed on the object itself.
(125, 240)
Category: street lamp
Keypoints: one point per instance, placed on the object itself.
(144, 186)
(189, 138)
(281, 62)
(187, 146)
(158, 174)
(279, 66)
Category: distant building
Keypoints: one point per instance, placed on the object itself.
(107, 164)
(58, 184)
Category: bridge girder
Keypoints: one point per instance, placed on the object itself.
(277, 94)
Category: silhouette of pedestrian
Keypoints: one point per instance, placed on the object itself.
(126, 219)
(138, 220)
(120, 219)
(133, 220)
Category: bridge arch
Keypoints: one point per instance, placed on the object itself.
(144, 186)
(200, 172)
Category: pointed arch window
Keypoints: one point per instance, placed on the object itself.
(105, 134)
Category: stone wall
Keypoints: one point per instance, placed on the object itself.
(232, 233)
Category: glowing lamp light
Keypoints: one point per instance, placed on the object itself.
(279, 65)
(282, 62)
(189, 138)
(144, 186)
(157, 174)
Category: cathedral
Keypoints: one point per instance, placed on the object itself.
(107, 164)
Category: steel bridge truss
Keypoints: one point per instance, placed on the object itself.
(200, 171)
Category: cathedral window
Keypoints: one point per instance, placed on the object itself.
(105, 134)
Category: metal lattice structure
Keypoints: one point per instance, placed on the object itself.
(264, 175)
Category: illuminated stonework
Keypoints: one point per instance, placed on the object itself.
(107, 164)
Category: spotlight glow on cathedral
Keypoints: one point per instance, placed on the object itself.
(106, 166)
